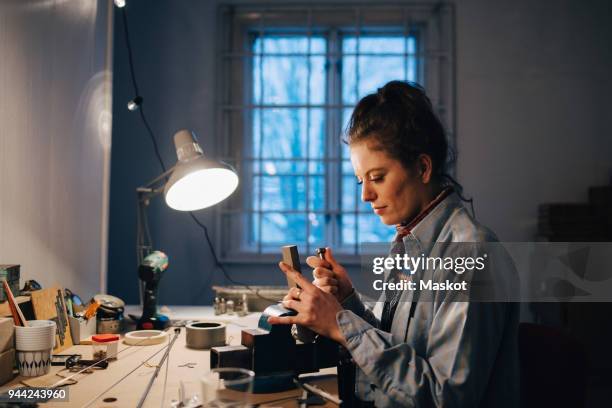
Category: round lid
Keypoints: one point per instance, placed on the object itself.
(109, 301)
(105, 338)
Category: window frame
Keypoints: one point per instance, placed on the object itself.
(236, 33)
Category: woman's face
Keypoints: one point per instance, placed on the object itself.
(394, 192)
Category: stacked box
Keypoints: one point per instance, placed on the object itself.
(7, 349)
(9, 273)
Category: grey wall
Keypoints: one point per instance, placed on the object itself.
(55, 110)
(533, 88)
(532, 102)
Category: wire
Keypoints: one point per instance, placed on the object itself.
(129, 50)
(220, 266)
(163, 166)
(150, 131)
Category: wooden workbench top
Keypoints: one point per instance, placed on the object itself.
(129, 391)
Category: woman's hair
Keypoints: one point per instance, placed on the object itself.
(399, 120)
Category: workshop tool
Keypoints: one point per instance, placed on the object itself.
(91, 401)
(150, 273)
(63, 381)
(292, 258)
(61, 320)
(318, 392)
(91, 310)
(18, 317)
(75, 362)
(60, 359)
(30, 286)
(109, 315)
(75, 300)
(261, 348)
(177, 331)
(204, 335)
(48, 304)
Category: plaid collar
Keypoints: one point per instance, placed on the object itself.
(405, 228)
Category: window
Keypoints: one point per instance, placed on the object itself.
(291, 78)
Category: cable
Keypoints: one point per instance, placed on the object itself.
(128, 45)
(129, 50)
(150, 131)
(163, 166)
(220, 266)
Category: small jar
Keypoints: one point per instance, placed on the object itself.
(105, 346)
(229, 307)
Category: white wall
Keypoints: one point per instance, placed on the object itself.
(533, 88)
(55, 111)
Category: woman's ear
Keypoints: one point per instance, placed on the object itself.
(425, 168)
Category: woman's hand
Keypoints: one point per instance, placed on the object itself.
(330, 276)
(316, 309)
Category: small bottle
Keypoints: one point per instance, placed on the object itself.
(222, 308)
(238, 308)
(229, 307)
(245, 304)
(217, 306)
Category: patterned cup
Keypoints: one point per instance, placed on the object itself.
(34, 345)
(34, 363)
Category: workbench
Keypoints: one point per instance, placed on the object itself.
(184, 364)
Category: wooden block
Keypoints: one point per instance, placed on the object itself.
(291, 258)
(7, 362)
(47, 303)
(5, 311)
(7, 334)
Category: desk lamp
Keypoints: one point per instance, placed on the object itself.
(194, 183)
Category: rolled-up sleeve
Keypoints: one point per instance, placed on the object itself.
(354, 304)
(462, 343)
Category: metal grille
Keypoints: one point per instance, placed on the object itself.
(305, 182)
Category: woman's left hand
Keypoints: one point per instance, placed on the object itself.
(316, 309)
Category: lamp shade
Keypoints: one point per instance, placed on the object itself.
(196, 181)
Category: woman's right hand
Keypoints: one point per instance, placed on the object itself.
(330, 276)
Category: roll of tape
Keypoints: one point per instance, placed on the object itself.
(145, 337)
(204, 335)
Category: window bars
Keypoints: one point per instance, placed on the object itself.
(289, 78)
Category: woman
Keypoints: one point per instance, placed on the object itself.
(436, 352)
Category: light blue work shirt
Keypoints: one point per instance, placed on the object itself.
(449, 353)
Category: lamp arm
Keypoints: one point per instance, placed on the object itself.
(156, 180)
(144, 195)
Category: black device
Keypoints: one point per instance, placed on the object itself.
(274, 355)
(261, 348)
(60, 359)
(150, 273)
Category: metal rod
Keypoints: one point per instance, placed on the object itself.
(177, 331)
(319, 392)
(91, 401)
(151, 183)
(63, 380)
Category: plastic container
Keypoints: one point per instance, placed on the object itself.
(105, 346)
